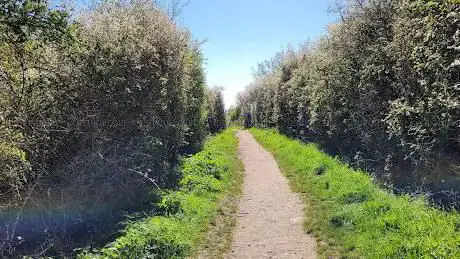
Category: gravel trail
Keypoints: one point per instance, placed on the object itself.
(270, 215)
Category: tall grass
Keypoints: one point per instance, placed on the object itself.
(351, 216)
(210, 177)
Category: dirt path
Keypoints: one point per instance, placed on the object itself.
(270, 217)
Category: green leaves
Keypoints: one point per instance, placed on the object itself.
(31, 19)
(216, 107)
(382, 83)
(105, 106)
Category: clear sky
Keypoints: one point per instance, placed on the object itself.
(241, 33)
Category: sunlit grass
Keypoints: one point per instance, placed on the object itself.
(211, 179)
(350, 216)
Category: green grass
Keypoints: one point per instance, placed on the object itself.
(211, 179)
(351, 216)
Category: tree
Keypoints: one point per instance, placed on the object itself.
(33, 40)
(234, 116)
(195, 115)
(216, 117)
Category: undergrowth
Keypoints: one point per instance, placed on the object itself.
(209, 177)
(352, 217)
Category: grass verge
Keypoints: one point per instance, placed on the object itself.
(351, 216)
(198, 216)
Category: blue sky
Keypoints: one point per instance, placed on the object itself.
(241, 33)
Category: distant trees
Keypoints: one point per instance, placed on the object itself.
(195, 97)
(216, 117)
(380, 89)
(234, 116)
(93, 112)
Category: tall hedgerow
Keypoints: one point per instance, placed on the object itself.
(216, 110)
(380, 89)
(95, 111)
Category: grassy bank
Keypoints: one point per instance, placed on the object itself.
(198, 216)
(351, 216)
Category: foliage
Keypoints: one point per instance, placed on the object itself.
(208, 177)
(216, 116)
(381, 89)
(426, 114)
(234, 116)
(351, 216)
(30, 42)
(195, 115)
(95, 111)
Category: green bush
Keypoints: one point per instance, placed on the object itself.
(216, 107)
(380, 89)
(95, 108)
(208, 176)
(352, 217)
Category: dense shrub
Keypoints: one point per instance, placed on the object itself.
(33, 40)
(196, 110)
(95, 111)
(216, 117)
(426, 112)
(380, 89)
(234, 116)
